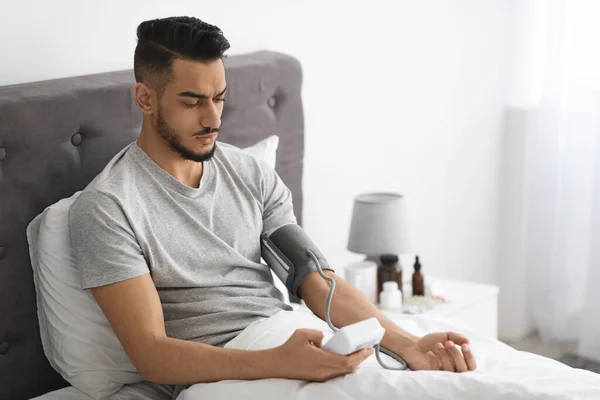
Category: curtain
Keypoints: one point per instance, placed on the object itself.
(564, 180)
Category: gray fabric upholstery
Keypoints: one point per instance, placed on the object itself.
(55, 136)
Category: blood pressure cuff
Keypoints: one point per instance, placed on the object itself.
(286, 251)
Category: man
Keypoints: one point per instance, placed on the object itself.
(167, 238)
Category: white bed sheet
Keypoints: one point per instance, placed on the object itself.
(502, 372)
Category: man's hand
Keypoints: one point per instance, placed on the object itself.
(301, 357)
(446, 351)
(349, 305)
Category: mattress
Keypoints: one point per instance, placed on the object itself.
(502, 372)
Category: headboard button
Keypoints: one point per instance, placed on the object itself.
(4, 348)
(76, 139)
(272, 102)
(2, 252)
(2, 153)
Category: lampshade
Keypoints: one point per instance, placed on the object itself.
(379, 224)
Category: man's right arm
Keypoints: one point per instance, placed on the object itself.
(134, 311)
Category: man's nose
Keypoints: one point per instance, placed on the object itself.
(211, 118)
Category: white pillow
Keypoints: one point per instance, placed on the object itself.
(76, 336)
(265, 150)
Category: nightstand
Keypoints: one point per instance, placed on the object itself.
(473, 305)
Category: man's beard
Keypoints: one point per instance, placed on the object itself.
(174, 141)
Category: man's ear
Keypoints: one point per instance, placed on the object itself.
(142, 94)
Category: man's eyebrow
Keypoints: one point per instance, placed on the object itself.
(199, 95)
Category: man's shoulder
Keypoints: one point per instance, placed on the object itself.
(110, 185)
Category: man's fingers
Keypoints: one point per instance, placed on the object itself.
(457, 338)
(464, 344)
(444, 356)
(355, 359)
(469, 357)
(457, 357)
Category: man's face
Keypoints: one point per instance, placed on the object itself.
(189, 111)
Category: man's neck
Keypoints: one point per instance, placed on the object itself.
(185, 171)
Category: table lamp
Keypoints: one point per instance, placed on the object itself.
(379, 225)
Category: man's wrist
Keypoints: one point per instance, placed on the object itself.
(271, 359)
(398, 341)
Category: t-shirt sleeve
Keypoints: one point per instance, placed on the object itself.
(278, 209)
(104, 245)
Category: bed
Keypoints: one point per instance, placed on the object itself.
(55, 136)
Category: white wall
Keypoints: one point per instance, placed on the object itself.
(400, 96)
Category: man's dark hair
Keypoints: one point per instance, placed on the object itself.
(160, 41)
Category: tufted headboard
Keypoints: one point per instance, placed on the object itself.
(55, 136)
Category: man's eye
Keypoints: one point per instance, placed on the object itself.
(190, 105)
(219, 100)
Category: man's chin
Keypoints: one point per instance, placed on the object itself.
(199, 155)
(205, 150)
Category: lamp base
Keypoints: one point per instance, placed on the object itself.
(375, 259)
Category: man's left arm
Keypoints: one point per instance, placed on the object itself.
(446, 351)
(349, 305)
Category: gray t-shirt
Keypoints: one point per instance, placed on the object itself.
(201, 246)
